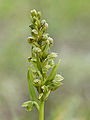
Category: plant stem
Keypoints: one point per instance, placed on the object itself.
(41, 110)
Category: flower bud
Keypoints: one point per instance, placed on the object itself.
(45, 68)
(34, 32)
(59, 77)
(43, 22)
(45, 37)
(37, 82)
(39, 15)
(33, 13)
(47, 41)
(50, 40)
(44, 27)
(36, 49)
(33, 60)
(44, 88)
(29, 59)
(32, 26)
(30, 39)
(52, 55)
(34, 19)
(51, 63)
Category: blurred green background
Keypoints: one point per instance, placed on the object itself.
(69, 25)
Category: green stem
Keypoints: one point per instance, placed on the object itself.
(41, 110)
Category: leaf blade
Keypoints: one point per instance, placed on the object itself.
(45, 51)
(39, 73)
(32, 92)
(53, 73)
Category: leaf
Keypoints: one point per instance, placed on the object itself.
(53, 73)
(47, 94)
(45, 50)
(39, 64)
(39, 73)
(33, 54)
(32, 92)
(29, 105)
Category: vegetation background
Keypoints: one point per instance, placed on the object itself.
(69, 26)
